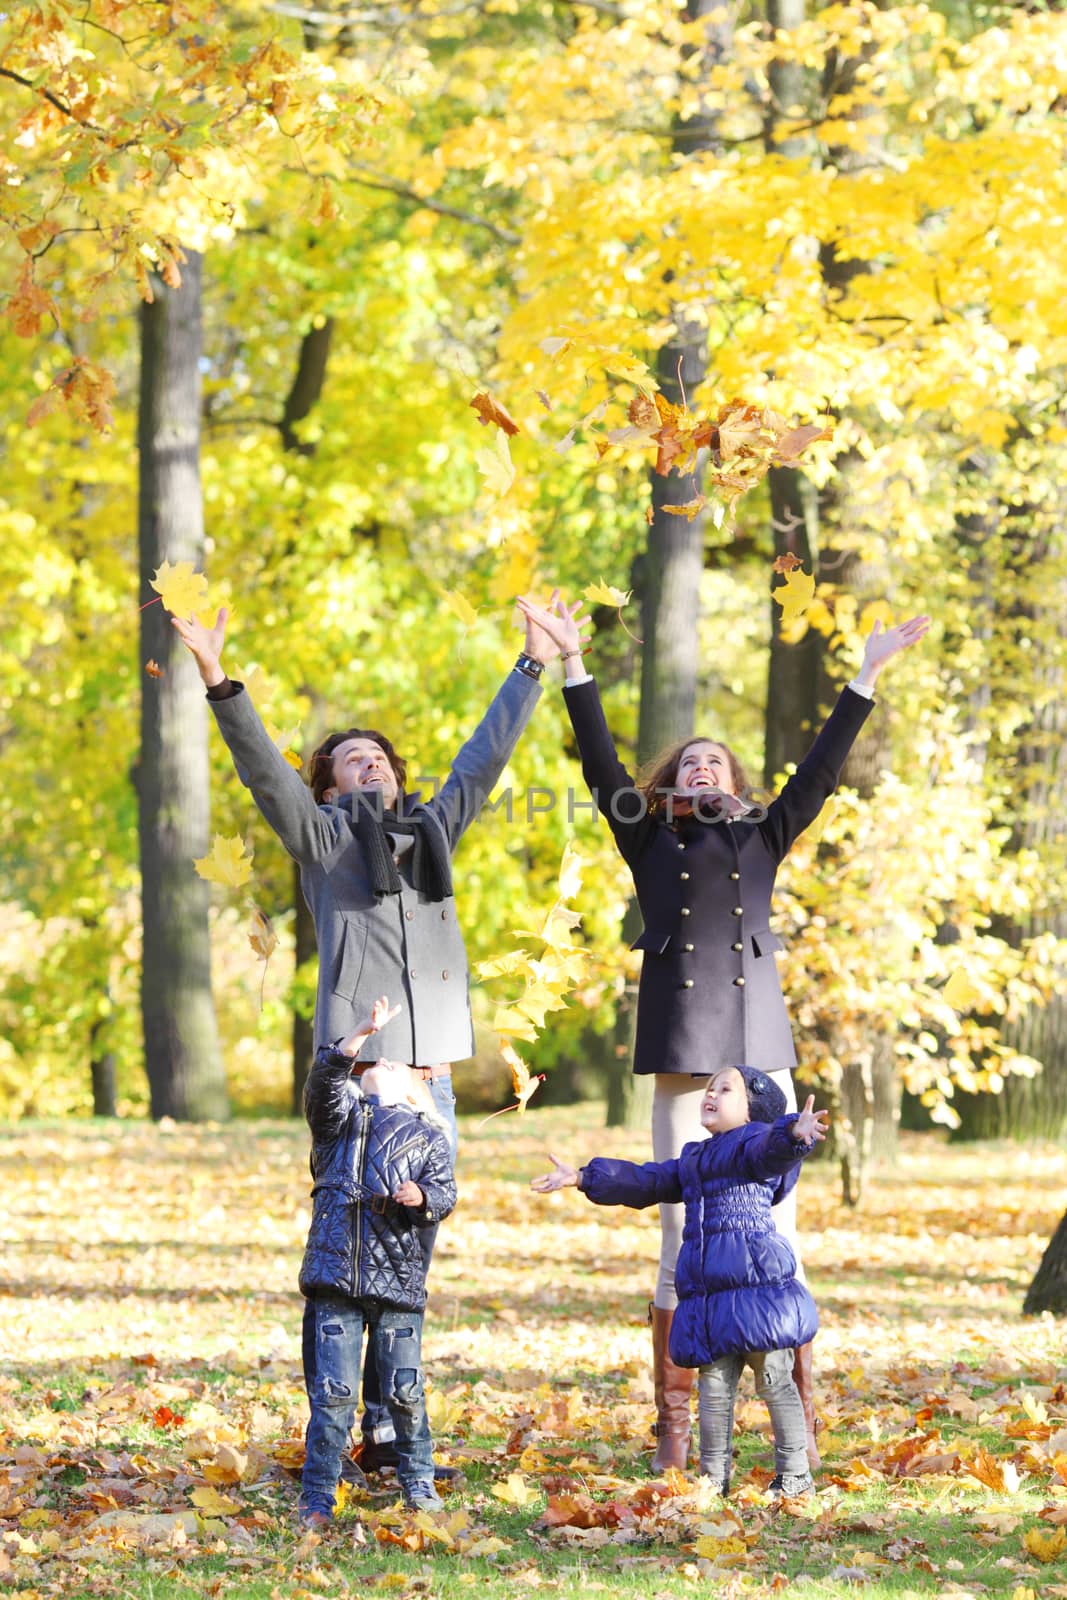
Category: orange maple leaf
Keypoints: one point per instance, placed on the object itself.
(787, 563)
(492, 413)
(153, 669)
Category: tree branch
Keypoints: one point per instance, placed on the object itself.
(388, 186)
(53, 99)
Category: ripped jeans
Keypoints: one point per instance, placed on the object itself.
(334, 1327)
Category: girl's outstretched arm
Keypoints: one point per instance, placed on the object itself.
(564, 1177)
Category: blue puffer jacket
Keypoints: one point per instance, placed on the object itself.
(360, 1241)
(736, 1277)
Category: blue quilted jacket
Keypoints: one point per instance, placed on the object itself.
(736, 1277)
(361, 1243)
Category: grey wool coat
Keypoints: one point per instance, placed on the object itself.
(402, 945)
(709, 994)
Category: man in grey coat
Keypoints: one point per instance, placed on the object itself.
(375, 869)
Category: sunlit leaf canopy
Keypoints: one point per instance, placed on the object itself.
(487, 202)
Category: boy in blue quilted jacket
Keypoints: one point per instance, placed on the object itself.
(382, 1171)
(739, 1300)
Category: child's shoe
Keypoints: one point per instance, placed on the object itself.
(790, 1485)
(423, 1497)
(315, 1521)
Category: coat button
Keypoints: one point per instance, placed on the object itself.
(738, 947)
(409, 915)
(685, 911)
(687, 947)
(739, 911)
(411, 974)
(688, 984)
(444, 916)
(735, 877)
(681, 846)
(444, 975)
(684, 877)
(739, 983)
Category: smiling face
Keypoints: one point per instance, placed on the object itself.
(362, 764)
(725, 1102)
(704, 765)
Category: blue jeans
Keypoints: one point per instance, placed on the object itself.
(377, 1425)
(334, 1325)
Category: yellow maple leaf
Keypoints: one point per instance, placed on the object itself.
(213, 1503)
(504, 966)
(603, 594)
(515, 1492)
(1045, 1547)
(960, 992)
(227, 863)
(536, 999)
(512, 1023)
(181, 590)
(795, 594)
(495, 464)
(570, 873)
(460, 606)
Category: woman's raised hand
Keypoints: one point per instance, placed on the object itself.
(205, 643)
(811, 1125)
(559, 623)
(884, 643)
(564, 1177)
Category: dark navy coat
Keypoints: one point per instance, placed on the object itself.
(361, 1243)
(736, 1277)
(709, 994)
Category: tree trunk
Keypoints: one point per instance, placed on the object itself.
(102, 1069)
(182, 1055)
(670, 574)
(1048, 1292)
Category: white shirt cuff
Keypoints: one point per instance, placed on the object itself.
(861, 688)
(572, 683)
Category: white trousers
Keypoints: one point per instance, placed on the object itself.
(675, 1122)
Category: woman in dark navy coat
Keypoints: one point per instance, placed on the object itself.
(704, 859)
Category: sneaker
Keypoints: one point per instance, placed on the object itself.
(716, 1485)
(790, 1485)
(423, 1497)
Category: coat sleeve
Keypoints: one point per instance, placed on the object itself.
(437, 1182)
(624, 1183)
(761, 1152)
(815, 779)
(609, 783)
(327, 1101)
(278, 790)
(477, 768)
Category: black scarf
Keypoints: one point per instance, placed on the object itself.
(431, 869)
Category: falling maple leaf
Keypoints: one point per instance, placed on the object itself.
(153, 669)
(491, 413)
(603, 594)
(689, 509)
(794, 595)
(523, 1081)
(460, 606)
(226, 863)
(261, 934)
(181, 590)
(544, 399)
(496, 466)
(786, 563)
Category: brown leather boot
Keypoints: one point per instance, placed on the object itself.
(673, 1389)
(802, 1379)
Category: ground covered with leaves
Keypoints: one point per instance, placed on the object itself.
(151, 1409)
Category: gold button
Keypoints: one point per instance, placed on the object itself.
(739, 911)
(684, 877)
(737, 947)
(735, 877)
(687, 947)
(739, 983)
(685, 911)
(688, 984)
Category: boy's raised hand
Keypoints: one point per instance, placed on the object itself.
(380, 1013)
(811, 1125)
(564, 1177)
(204, 643)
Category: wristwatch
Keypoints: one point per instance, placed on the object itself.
(530, 665)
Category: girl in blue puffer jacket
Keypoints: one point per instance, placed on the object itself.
(739, 1300)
